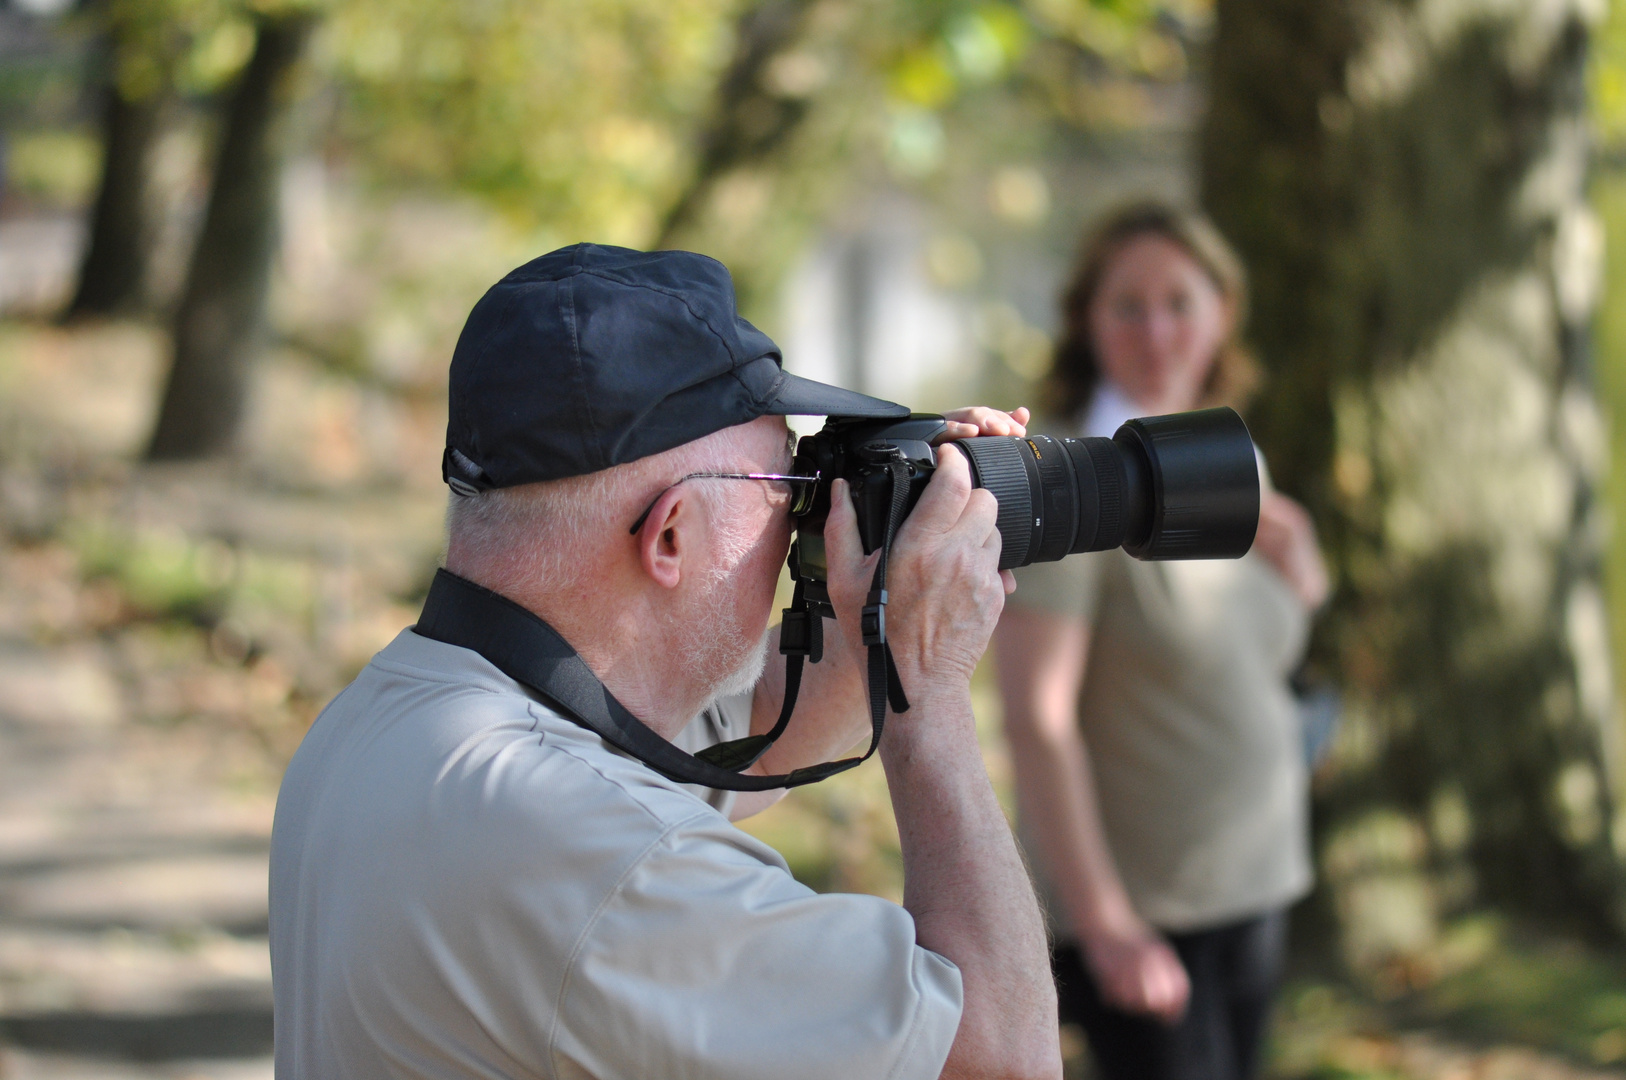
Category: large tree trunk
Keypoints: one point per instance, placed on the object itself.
(1405, 181)
(112, 274)
(220, 323)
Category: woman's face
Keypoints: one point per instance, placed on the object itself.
(1157, 322)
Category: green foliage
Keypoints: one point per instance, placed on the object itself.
(194, 47)
(159, 575)
(601, 119)
(572, 116)
(1608, 80)
(585, 120)
(967, 49)
(1487, 987)
(1133, 35)
(168, 576)
(57, 166)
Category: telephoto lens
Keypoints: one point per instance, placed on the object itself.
(1182, 486)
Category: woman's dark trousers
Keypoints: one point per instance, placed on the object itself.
(1234, 972)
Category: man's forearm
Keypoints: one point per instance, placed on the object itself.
(969, 892)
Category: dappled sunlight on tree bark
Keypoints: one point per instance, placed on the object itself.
(1407, 185)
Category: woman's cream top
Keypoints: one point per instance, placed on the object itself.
(1193, 734)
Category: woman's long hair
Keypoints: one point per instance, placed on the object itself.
(1074, 370)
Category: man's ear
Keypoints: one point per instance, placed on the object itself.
(666, 537)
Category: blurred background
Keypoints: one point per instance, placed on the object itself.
(238, 239)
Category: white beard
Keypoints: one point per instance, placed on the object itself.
(720, 653)
(728, 661)
(743, 679)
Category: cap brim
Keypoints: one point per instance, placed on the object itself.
(796, 396)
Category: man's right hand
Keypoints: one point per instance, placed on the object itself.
(944, 584)
(1137, 971)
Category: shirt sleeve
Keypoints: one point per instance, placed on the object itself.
(1071, 586)
(711, 961)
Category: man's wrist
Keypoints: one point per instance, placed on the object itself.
(939, 717)
(924, 680)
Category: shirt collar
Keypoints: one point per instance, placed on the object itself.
(1109, 407)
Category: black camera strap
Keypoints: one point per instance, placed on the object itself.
(529, 651)
(801, 633)
(801, 638)
(884, 685)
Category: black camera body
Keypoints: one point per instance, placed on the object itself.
(1181, 486)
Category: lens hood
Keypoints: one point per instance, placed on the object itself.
(1198, 495)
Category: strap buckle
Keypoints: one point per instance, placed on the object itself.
(796, 633)
(872, 620)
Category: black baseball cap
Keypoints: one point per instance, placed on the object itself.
(594, 356)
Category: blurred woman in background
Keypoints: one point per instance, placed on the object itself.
(1159, 763)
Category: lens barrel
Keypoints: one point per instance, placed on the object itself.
(1182, 486)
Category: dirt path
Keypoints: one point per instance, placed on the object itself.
(132, 867)
(164, 638)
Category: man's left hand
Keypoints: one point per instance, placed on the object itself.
(975, 420)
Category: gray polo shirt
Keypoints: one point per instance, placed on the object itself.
(465, 884)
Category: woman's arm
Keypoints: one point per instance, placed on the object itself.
(1041, 663)
(1286, 537)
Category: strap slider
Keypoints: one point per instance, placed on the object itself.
(872, 622)
(796, 633)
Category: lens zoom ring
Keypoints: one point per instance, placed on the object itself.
(1109, 480)
(1000, 470)
(1060, 495)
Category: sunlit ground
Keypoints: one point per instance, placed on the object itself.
(166, 635)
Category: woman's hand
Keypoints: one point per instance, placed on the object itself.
(1138, 972)
(975, 420)
(1286, 537)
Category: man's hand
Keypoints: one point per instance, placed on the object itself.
(1138, 972)
(923, 553)
(974, 420)
(832, 712)
(945, 588)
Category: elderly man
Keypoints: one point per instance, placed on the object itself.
(467, 881)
